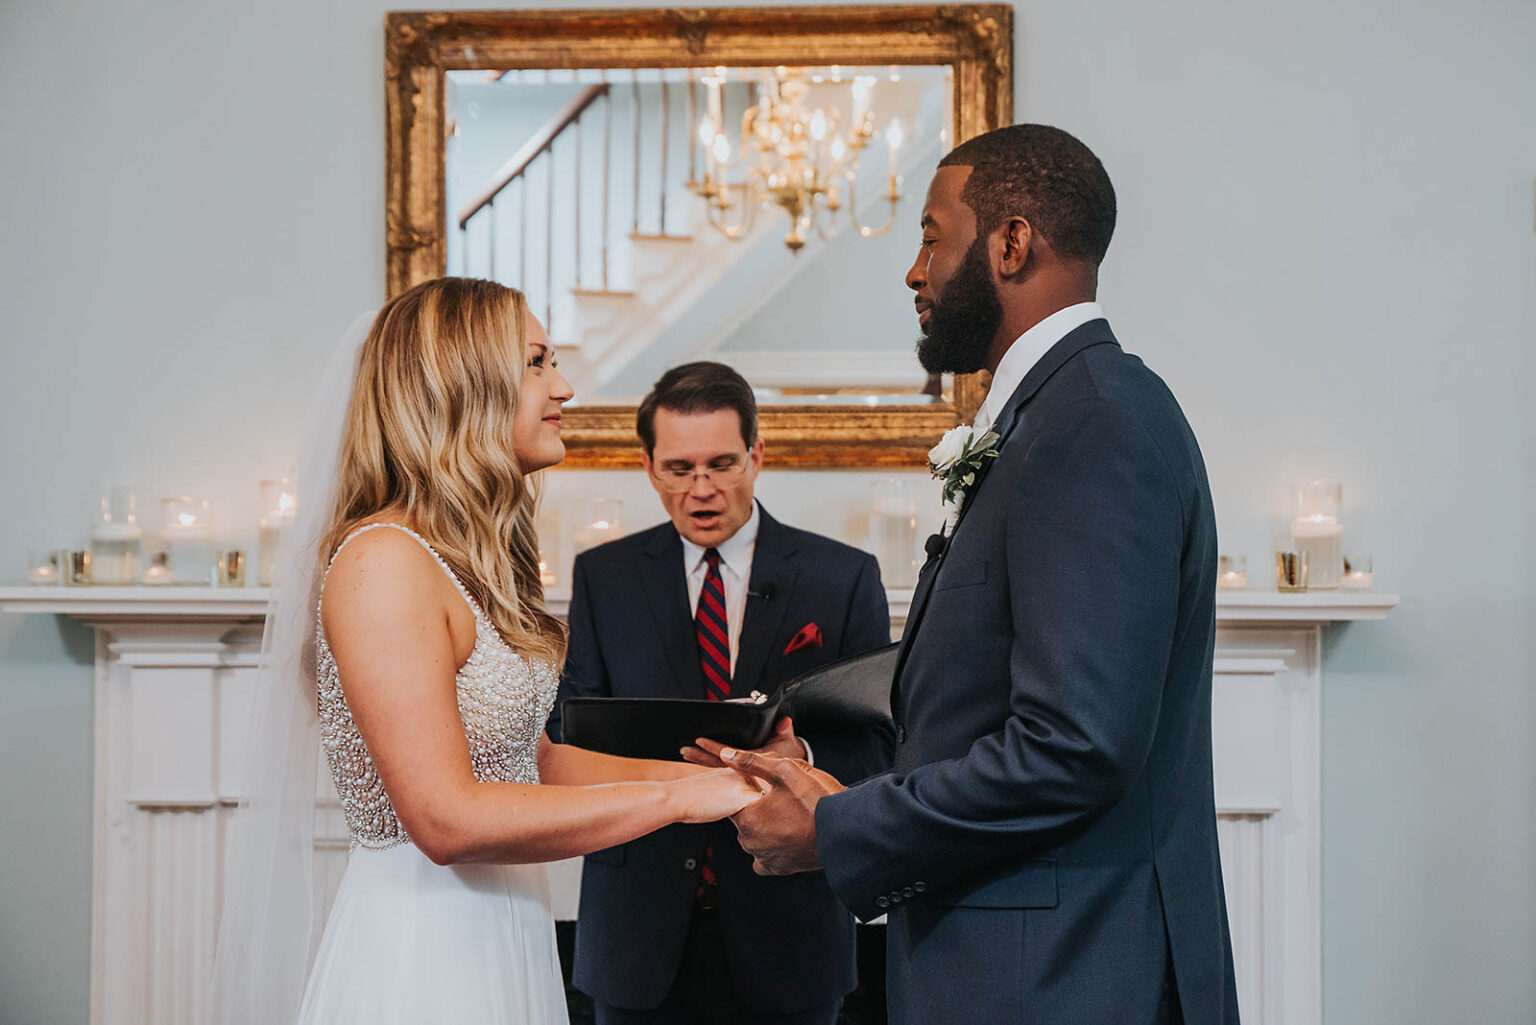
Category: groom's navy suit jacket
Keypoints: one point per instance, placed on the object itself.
(1046, 844)
(789, 942)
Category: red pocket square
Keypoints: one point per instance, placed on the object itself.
(809, 636)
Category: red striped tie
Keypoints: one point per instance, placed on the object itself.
(712, 629)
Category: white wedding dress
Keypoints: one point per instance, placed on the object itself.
(410, 941)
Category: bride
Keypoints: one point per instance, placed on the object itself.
(426, 669)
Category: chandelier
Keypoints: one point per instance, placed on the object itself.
(793, 155)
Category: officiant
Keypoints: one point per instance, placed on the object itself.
(720, 601)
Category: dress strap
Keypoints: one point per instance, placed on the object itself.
(458, 584)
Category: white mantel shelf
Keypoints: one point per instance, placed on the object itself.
(250, 603)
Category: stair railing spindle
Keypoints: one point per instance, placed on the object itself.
(635, 116)
(549, 245)
(692, 126)
(661, 185)
(607, 167)
(490, 212)
(580, 194)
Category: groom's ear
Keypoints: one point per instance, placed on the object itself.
(1017, 235)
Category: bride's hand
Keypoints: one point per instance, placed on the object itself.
(711, 795)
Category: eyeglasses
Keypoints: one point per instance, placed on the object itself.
(726, 472)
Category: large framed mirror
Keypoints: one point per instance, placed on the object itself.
(740, 184)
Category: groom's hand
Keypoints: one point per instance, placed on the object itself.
(779, 831)
(783, 744)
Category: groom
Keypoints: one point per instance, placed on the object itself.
(1046, 846)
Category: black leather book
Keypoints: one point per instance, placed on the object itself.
(851, 693)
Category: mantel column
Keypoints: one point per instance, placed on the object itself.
(172, 703)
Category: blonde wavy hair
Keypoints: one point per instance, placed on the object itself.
(429, 430)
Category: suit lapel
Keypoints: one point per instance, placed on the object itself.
(1094, 332)
(768, 590)
(666, 592)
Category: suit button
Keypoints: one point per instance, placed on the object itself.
(882, 902)
(919, 887)
(901, 734)
(690, 863)
(908, 892)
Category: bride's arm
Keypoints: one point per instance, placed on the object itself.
(389, 617)
(562, 763)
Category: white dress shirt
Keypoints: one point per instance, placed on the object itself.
(735, 573)
(1027, 349)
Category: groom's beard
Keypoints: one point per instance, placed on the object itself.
(963, 319)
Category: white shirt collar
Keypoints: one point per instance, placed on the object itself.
(735, 551)
(1027, 349)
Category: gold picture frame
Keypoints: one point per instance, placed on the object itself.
(976, 40)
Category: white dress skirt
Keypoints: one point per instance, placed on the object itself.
(416, 943)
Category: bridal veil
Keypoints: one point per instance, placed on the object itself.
(269, 926)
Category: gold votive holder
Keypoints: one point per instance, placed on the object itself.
(75, 567)
(1290, 571)
(231, 567)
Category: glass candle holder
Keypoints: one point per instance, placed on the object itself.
(1290, 571)
(116, 537)
(42, 568)
(1316, 530)
(158, 572)
(277, 510)
(1357, 573)
(603, 522)
(187, 531)
(893, 530)
(1232, 572)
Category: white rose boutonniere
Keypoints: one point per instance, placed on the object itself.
(958, 458)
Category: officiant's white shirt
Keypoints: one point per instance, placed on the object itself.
(735, 572)
(1027, 349)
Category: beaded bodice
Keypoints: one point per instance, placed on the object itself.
(504, 700)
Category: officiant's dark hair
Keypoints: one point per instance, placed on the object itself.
(701, 387)
(1047, 177)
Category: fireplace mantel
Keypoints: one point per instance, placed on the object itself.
(174, 667)
(249, 604)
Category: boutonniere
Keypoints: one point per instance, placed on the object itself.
(958, 458)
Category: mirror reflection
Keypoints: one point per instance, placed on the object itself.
(762, 217)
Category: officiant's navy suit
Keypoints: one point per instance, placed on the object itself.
(1046, 844)
(789, 941)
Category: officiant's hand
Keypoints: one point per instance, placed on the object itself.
(783, 744)
(779, 831)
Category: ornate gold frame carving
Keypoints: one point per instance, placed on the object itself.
(975, 39)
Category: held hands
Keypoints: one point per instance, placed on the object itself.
(711, 796)
(779, 831)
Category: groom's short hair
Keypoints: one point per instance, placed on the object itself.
(701, 387)
(1046, 176)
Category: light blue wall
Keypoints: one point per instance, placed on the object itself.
(1325, 246)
